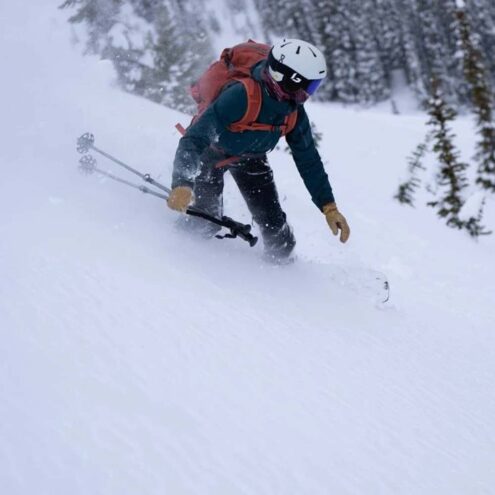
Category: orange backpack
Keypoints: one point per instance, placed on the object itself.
(235, 65)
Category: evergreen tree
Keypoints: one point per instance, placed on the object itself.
(98, 16)
(154, 56)
(451, 177)
(451, 180)
(482, 16)
(407, 189)
(334, 29)
(385, 20)
(288, 18)
(474, 226)
(454, 62)
(482, 102)
(372, 84)
(266, 11)
(177, 62)
(364, 41)
(410, 42)
(433, 47)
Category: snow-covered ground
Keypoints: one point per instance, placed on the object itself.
(135, 361)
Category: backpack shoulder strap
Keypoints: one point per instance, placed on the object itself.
(254, 100)
(289, 123)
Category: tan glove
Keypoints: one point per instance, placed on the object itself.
(336, 221)
(180, 198)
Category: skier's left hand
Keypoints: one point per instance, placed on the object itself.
(336, 221)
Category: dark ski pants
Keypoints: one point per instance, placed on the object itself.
(254, 178)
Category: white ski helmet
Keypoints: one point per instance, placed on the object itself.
(296, 64)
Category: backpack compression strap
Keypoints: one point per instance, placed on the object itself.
(254, 100)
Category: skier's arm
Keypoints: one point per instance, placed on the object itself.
(229, 107)
(308, 161)
(310, 167)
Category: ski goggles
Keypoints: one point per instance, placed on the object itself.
(289, 80)
(299, 96)
(313, 85)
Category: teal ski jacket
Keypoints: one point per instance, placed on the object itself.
(211, 129)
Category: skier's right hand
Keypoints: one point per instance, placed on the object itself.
(180, 198)
(336, 221)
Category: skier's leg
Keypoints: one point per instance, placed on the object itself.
(208, 188)
(254, 177)
(208, 196)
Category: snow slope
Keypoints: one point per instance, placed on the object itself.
(135, 361)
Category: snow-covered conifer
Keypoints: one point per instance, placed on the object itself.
(451, 178)
(364, 40)
(177, 60)
(98, 17)
(154, 55)
(408, 188)
(288, 18)
(372, 83)
(433, 47)
(335, 32)
(410, 41)
(482, 102)
(482, 16)
(385, 20)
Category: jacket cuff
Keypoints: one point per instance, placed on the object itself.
(327, 201)
(331, 206)
(182, 182)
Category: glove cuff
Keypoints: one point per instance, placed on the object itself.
(180, 182)
(183, 188)
(329, 207)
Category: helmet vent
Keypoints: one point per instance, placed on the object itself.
(295, 56)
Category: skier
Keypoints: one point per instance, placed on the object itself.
(220, 140)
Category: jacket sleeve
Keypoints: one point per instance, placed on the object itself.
(229, 107)
(308, 161)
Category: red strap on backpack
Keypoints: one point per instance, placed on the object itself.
(254, 101)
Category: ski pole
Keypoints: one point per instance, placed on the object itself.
(86, 142)
(237, 229)
(87, 164)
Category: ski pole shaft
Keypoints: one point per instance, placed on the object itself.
(117, 161)
(145, 177)
(143, 189)
(87, 142)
